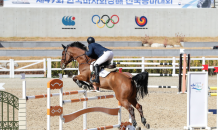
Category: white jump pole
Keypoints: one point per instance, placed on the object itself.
(119, 113)
(84, 115)
(23, 85)
(61, 104)
(48, 108)
(51, 110)
(217, 105)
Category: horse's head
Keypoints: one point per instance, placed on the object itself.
(72, 52)
(67, 57)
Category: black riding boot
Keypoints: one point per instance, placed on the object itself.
(96, 74)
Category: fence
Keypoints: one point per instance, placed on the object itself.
(11, 65)
(115, 60)
(141, 62)
(11, 103)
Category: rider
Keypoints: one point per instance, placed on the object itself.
(103, 55)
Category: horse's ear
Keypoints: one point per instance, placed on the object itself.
(63, 46)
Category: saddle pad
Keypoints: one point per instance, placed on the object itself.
(103, 73)
(110, 70)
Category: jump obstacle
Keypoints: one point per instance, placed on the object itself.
(133, 63)
(214, 111)
(202, 123)
(183, 65)
(152, 86)
(146, 63)
(58, 110)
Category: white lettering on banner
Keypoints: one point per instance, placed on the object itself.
(106, 3)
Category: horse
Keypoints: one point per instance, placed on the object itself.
(128, 90)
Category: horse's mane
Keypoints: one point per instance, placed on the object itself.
(79, 45)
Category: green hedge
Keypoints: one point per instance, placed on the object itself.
(163, 71)
(64, 72)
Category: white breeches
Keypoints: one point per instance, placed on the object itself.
(107, 56)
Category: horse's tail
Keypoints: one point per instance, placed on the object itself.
(141, 82)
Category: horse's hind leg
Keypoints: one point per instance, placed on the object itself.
(128, 106)
(139, 108)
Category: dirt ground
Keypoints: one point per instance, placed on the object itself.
(164, 109)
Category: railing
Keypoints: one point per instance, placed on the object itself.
(49, 67)
(5, 68)
(141, 62)
(12, 70)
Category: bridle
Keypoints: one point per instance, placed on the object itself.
(74, 58)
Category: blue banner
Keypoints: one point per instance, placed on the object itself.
(110, 3)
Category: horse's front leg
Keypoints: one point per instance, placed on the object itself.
(79, 80)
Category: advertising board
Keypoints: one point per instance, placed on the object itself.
(110, 3)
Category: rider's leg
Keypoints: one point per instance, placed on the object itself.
(106, 57)
(96, 74)
(99, 61)
(111, 56)
(102, 59)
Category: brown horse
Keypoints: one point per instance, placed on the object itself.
(127, 89)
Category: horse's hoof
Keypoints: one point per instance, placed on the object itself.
(80, 85)
(91, 87)
(143, 121)
(84, 87)
(147, 126)
(134, 123)
(138, 128)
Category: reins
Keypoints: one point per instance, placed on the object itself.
(72, 58)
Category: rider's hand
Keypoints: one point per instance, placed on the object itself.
(87, 48)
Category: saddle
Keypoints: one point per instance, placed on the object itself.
(108, 67)
(104, 68)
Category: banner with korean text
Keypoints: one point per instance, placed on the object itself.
(110, 3)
